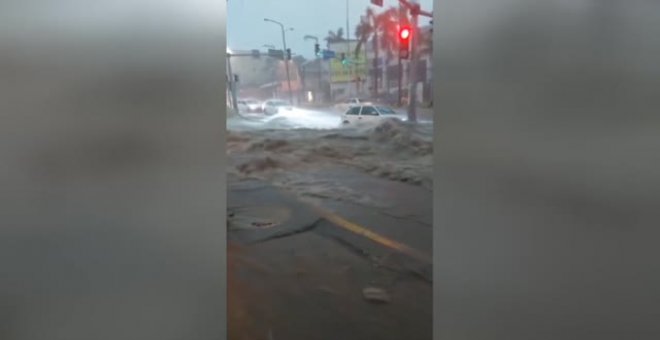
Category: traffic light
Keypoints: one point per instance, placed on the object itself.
(235, 78)
(342, 57)
(288, 54)
(317, 50)
(404, 42)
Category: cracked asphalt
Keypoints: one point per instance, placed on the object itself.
(295, 274)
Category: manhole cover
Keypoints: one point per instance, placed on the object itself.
(261, 217)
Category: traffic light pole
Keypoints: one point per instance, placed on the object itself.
(415, 11)
(412, 72)
(400, 74)
(286, 66)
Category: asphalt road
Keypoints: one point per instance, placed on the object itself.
(297, 269)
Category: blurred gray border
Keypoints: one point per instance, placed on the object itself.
(222, 318)
(547, 177)
(112, 175)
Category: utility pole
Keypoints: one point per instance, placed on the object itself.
(286, 61)
(415, 11)
(400, 66)
(400, 73)
(412, 66)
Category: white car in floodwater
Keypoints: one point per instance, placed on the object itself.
(274, 106)
(249, 105)
(348, 103)
(370, 113)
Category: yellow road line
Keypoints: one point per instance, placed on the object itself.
(363, 231)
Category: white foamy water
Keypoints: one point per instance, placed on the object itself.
(390, 149)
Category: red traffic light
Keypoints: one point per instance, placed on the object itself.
(404, 33)
(404, 42)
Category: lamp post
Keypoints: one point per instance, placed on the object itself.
(318, 59)
(286, 61)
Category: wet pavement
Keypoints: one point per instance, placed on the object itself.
(297, 272)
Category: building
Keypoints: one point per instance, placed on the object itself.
(347, 79)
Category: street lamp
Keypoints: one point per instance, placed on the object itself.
(286, 61)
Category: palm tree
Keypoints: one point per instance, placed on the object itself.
(382, 30)
(365, 30)
(334, 37)
(388, 39)
(367, 27)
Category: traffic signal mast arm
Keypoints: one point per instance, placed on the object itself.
(415, 8)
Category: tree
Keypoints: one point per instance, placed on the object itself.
(334, 37)
(366, 29)
(381, 29)
(388, 37)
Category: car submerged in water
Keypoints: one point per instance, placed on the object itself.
(351, 102)
(249, 105)
(275, 106)
(371, 113)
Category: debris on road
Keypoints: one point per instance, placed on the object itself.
(377, 295)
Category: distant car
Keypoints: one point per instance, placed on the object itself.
(370, 113)
(253, 105)
(348, 103)
(242, 106)
(249, 105)
(273, 106)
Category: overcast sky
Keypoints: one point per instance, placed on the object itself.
(246, 28)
